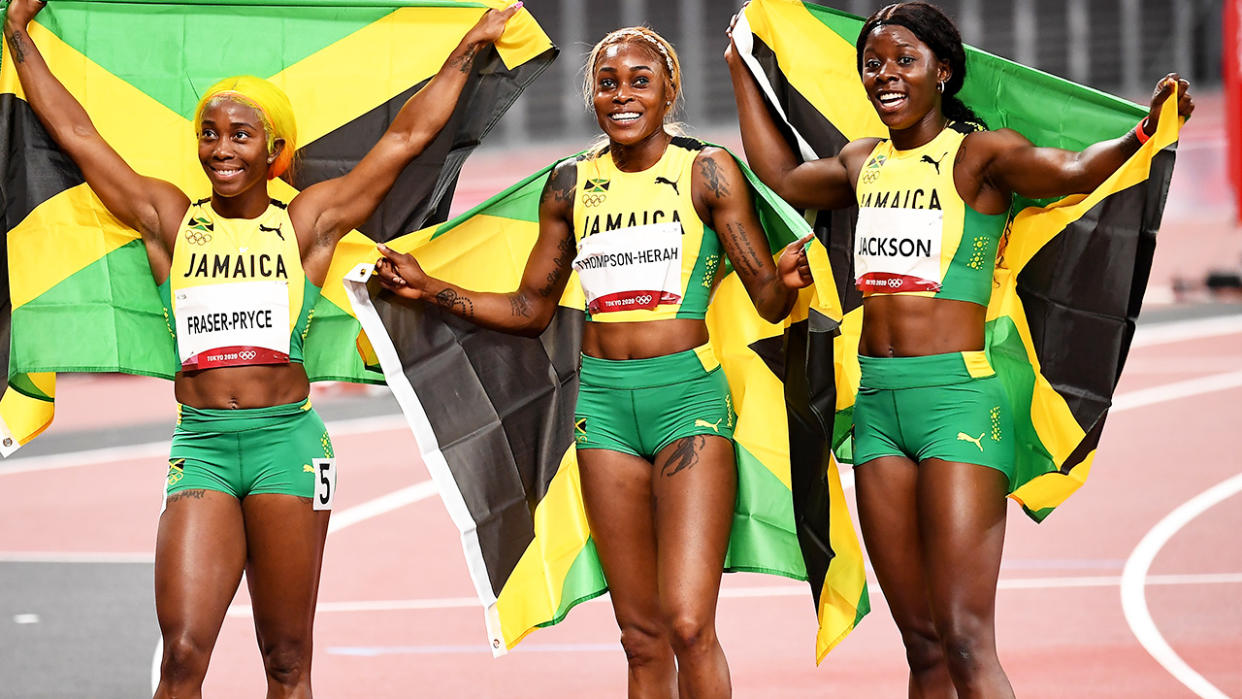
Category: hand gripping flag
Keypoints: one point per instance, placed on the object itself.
(1071, 275)
(80, 296)
(493, 415)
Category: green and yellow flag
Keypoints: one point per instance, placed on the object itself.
(80, 296)
(493, 415)
(1072, 272)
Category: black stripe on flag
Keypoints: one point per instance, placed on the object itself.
(425, 187)
(503, 417)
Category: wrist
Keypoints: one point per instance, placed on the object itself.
(1141, 130)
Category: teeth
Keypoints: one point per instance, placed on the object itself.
(227, 173)
(888, 97)
(624, 116)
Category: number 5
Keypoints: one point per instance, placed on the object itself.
(325, 486)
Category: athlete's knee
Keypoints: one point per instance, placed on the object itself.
(968, 644)
(691, 633)
(184, 663)
(924, 650)
(644, 644)
(287, 662)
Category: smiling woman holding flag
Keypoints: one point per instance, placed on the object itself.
(934, 438)
(251, 475)
(644, 220)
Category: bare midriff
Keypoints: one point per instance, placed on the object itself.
(641, 340)
(916, 326)
(261, 386)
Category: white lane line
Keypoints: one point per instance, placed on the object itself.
(790, 589)
(385, 503)
(151, 450)
(1134, 579)
(1184, 330)
(75, 557)
(1179, 389)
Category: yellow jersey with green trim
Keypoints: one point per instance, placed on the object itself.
(236, 294)
(643, 252)
(915, 234)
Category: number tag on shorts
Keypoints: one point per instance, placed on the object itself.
(325, 484)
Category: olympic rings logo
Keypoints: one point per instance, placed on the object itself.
(195, 237)
(642, 299)
(247, 355)
(592, 200)
(870, 177)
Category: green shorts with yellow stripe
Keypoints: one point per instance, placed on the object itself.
(249, 451)
(640, 406)
(941, 406)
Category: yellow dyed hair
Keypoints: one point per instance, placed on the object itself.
(272, 105)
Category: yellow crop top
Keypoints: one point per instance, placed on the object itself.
(915, 234)
(232, 286)
(643, 252)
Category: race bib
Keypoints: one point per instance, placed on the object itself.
(629, 269)
(233, 324)
(897, 250)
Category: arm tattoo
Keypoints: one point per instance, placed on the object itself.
(520, 304)
(182, 494)
(566, 250)
(560, 186)
(715, 181)
(685, 455)
(15, 44)
(750, 259)
(456, 303)
(464, 61)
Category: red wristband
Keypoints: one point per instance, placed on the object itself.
(1140, 132)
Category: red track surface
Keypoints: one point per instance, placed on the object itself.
(1061, 634)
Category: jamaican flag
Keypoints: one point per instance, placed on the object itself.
(1071, 274)
(80, 296)
(493, 415)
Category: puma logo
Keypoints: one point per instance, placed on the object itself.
(276, 230)
(963, 437)
(667, 181)
(307, 468)
(934, 163)
(698, 422)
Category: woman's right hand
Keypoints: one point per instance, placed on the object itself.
(400, 273)
(20, 12)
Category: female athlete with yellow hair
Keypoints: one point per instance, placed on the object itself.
(239, 273)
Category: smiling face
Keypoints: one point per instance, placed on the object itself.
(900, 74)
(232, 147)
(632, 92)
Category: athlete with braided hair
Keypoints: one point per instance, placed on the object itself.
(248, 451)
(644, 219)
(933, 447)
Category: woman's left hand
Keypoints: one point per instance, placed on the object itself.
(793, 267)
(492, 24)
(1167, 87)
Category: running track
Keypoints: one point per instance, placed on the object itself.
(1143, 563)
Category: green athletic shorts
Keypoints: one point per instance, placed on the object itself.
(282, 449)
(640, 406)
(941, 406)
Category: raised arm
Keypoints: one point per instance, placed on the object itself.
(151, 206)
(722, 199)
(819, 184)
(524, 311)
(1016, 165)
(327, 210)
